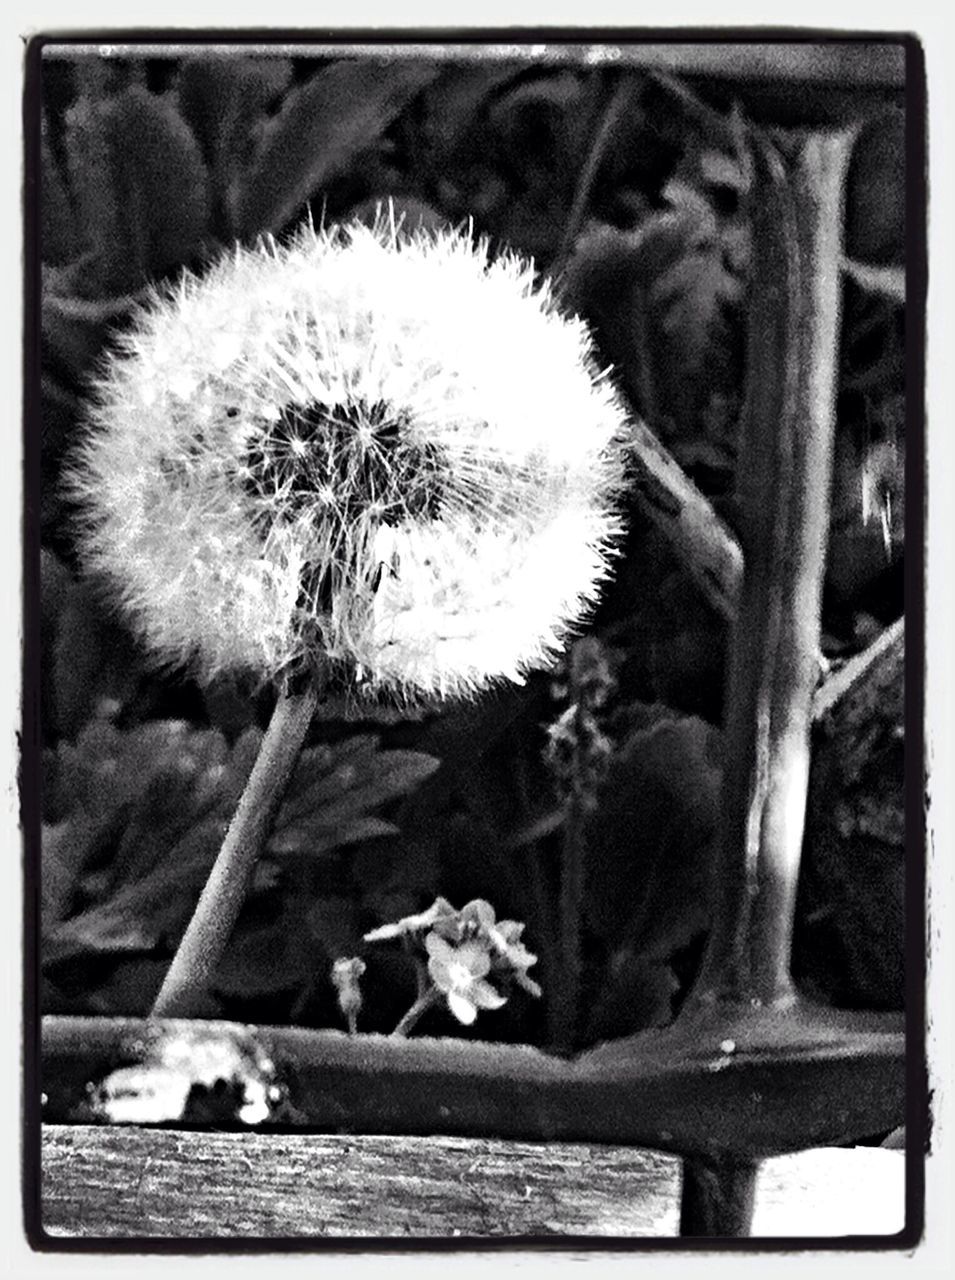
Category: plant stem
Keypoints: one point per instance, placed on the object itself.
(427, 1000)
(784, 471)
(784, 476)
(717, 1197)
(212, 923)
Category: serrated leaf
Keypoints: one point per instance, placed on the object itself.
(141, 185)
(342, 110)
(699, 225)
(722, 170)
(543, 118)
(317, 839)
(355, 786)
(692, 292)
(320, 778)
(139, 916)
(394, 774)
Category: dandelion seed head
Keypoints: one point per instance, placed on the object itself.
(389, 447)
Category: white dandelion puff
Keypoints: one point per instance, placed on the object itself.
(392, 450)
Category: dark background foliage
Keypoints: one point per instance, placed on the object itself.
(633, 187)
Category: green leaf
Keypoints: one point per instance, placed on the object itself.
(657, 300)
(141, 185)
(324, 124)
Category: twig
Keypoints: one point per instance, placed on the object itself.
(703, 543)
(883, 654)
(425, 1001)
(211, 926)
(887, 281)
(709, 123)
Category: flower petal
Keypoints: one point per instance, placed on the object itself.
(461, 1007)
(439, 910)
(474, 956)
(484, 996)
(439, 949)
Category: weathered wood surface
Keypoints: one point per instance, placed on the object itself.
(106, 1182)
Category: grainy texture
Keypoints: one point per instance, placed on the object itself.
(110, 1182)
(106, 1181)
(854, 871)
(754, 1082)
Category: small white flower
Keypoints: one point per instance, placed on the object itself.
(388, 449)
(459, 974)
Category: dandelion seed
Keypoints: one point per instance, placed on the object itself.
(388, 449)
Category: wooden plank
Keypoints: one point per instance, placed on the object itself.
(106, 1182)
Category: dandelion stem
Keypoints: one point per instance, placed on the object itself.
(211, 926)
(424, 1002)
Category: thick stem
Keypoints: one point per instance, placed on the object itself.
(784, 472)
(785, 466)
(717, 1197)
(212, 923)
